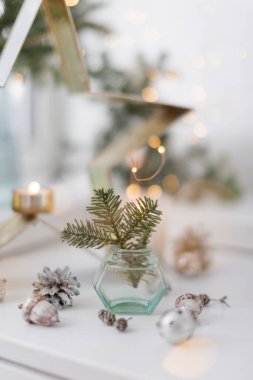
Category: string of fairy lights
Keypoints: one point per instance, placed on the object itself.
(170, 182)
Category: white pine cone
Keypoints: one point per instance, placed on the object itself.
(57, 287)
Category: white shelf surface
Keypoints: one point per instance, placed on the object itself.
(82, 347)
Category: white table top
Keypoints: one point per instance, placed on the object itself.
(81, 347)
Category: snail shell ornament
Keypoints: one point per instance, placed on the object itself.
(176, 325)
(196, 303)
(37, 310)
(191, 302)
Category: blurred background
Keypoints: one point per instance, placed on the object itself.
(190, 53)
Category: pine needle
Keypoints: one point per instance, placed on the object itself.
(129, 226)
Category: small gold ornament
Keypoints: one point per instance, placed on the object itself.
(191, 253)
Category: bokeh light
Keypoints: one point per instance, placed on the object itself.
(171, 183)
(150, 94)
(133, 191)
(154, 141)
(154, 191)
(71, 3)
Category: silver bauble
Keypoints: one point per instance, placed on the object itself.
(36, 310)
(176, 325)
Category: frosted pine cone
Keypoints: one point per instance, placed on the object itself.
(57, 287)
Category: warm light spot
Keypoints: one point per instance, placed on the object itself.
(149, 94)
(153, 74)
(153, 34)
(16, 86)
(200, 130)
(191, 117)
(136, 158)
(171, 183)
(215, 59)
(161, 149)
(133, 191)
(154, 191)
(199, 94)
(154, 141)
(242, 52)
(193, 140)
(136, 17)
(127, 40)
(211, 11)
(71, 3)
(134, 169)
(34, 188)
(112, 40)
(172, 75)
(191, 358)
(200, 62)
(19, 77)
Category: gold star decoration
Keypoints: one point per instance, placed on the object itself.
(75, 73)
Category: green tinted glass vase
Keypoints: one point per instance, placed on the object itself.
(130, 281)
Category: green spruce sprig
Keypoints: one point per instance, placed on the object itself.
(129, 226)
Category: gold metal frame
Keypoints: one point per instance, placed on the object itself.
(66, 42)
(162, 117)
(17, 37)
(64, 35)
(63, 31)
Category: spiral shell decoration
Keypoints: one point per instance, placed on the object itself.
(39, 311)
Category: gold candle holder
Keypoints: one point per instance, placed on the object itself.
(28, 203)
(32, 200)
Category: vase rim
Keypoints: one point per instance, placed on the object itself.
(117, 249)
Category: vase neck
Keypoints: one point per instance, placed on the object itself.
(121, 253)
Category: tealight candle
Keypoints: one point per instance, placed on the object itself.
(32, 200)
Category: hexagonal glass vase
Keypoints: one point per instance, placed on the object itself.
(130, 281)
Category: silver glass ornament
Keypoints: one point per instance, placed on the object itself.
(176, 325)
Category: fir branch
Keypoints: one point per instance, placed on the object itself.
(141, 220)
(106, 206)
(129, 227)
(80, 235)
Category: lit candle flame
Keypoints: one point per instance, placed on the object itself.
(33, 188)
